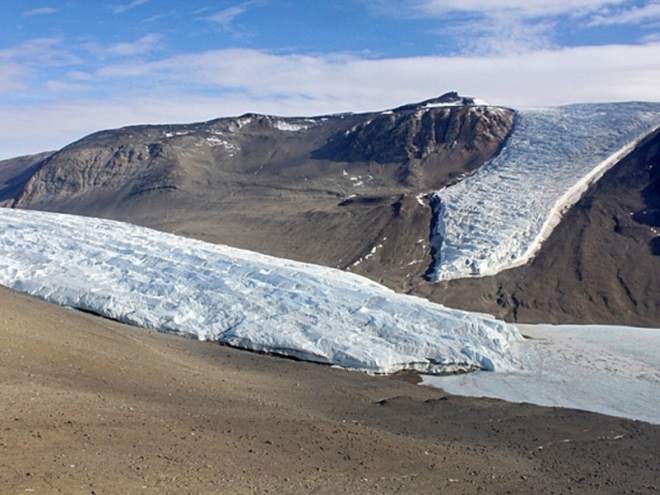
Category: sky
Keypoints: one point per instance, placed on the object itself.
(71, 67)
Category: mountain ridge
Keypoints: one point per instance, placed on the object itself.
(350, 191)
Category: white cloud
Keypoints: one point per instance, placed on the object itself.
(543, 76)
(225, 18)
(524, 8)
(20, 64)
(66, 87)
(40, 11)
(202, 86)
(651, 38)
(143, 45)
(164, 15)
(13, 76)
(40, 51)
(497, 26)
(635, 15)
(120, 9)
(595, 12)
(500, 34)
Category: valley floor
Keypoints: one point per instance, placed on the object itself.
(92, 406)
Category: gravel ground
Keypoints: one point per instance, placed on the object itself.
(91, 406)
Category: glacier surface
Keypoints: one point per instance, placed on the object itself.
(244, 299)
(498, 218)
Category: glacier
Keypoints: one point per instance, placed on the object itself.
(499, 217)
(211, 292)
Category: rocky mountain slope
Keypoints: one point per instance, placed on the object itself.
(352, 191)
(327, 190)
(601, 264)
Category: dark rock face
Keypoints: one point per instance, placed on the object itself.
(15, 173)
(420, 147)
(650, 214)
(417, 134)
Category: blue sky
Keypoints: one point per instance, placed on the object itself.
(71, 67)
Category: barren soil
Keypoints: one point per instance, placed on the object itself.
(90, 406)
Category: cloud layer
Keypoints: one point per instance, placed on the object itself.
(56, 89)
(623, 11)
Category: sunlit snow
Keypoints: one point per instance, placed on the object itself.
(288, 126)
(178, 285)
(498, 217)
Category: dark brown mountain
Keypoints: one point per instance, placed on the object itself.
(326, 190)
(15, 173)
(350, 191)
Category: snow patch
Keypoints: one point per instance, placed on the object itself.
(176, 133)
(239, 123)
(289, 126)
(443, 105)
(214, 141)
(370, 254)
(373, 251)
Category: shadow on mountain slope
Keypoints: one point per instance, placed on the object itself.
(15, 174)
